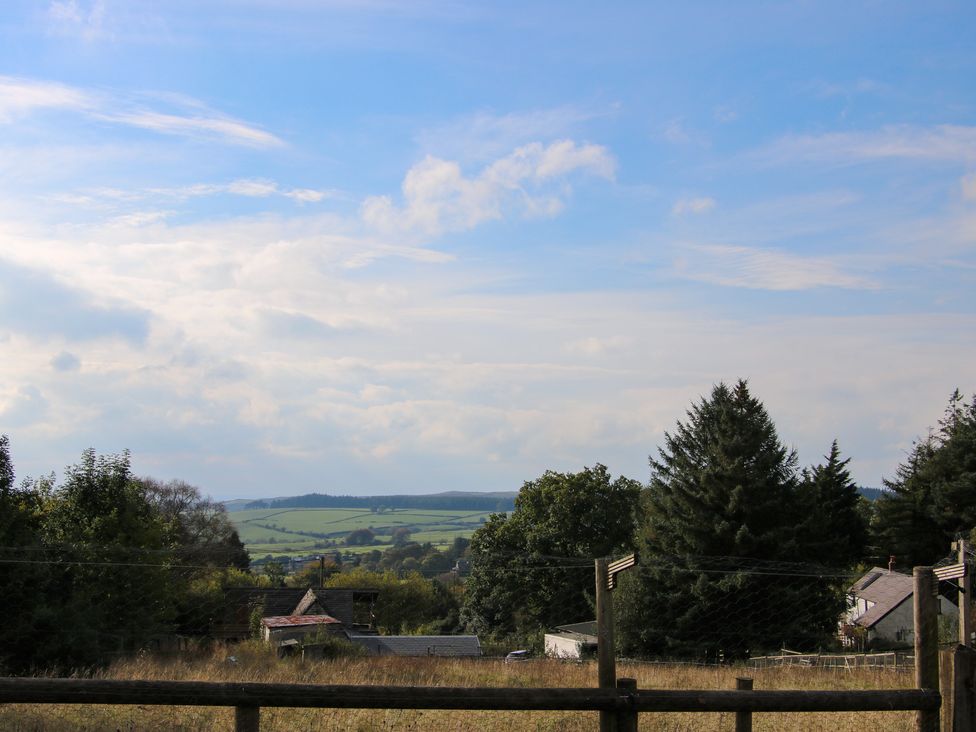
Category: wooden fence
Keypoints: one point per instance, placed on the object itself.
(624, 703)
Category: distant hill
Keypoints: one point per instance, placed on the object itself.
(450, 501)
(872, 494)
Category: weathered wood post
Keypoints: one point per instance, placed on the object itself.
(925, 591)
(605, 658)
(743, 720)
(627, 718)
(958, 665)
(606, 580)
(965, 595)
(247, 719)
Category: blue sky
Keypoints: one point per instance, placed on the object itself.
(372, 247)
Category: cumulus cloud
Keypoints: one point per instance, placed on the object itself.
(20, 97)
(438, 197)
(764, 269)
(693, 206)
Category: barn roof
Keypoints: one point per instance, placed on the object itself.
(290, 621)
(419, 645)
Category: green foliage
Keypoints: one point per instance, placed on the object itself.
(330, 645)
(275, 572)
(360, 537)
(933, 494)
(24, 606)
(721, 505)
(534, 569)
(198, 528)
(404, 603)
(104, 561)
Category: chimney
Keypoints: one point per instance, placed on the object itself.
(891, 563)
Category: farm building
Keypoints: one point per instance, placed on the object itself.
(578, 640)
(351, 607)
(418, 645)
(283, 628)
(880, 610)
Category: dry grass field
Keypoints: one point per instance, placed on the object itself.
(253, 664)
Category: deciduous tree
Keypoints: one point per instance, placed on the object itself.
(534, 568)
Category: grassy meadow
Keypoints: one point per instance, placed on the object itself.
(277, 531)
(253, 663)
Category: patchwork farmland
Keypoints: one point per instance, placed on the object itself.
(287, 532)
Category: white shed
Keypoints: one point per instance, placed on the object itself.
(575, 641)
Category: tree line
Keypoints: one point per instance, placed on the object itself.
(103, 561)
(433, 502)
(740, 549)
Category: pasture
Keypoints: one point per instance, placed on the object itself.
(299, 531)
(252, 662)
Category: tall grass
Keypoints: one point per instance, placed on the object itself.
(251, 662)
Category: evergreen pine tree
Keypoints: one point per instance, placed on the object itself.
(720, 510)
(833, 532)
(932, 497)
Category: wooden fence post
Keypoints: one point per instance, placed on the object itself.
(743, 720)
(958, 698)
(926, 611)
(247, 719)
(965, 595)
(606, 663)
(627, 718)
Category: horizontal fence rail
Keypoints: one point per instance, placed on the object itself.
(230, 694)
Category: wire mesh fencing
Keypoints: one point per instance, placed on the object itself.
(122, 614)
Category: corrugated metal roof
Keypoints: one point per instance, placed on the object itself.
(287, 621)
(419, 645)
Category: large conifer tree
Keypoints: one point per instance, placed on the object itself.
(719, 526)
(933, 493)
(833, 530)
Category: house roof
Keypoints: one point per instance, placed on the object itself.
(886, 589)
(587, 628)
(289, 621)
(419, 645)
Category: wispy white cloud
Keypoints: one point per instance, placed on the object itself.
(942, 143)
(70, 17)
(248, 187)
(484, 135)
(693, 205)
(438, 197)
(968, 184)
(863, 85)
(20, 97)
(677, 132)
(597, 346)
(211, 127)
(763, 269)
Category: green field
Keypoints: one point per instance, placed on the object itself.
(299, 531)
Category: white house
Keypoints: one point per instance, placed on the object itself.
(880, 609)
